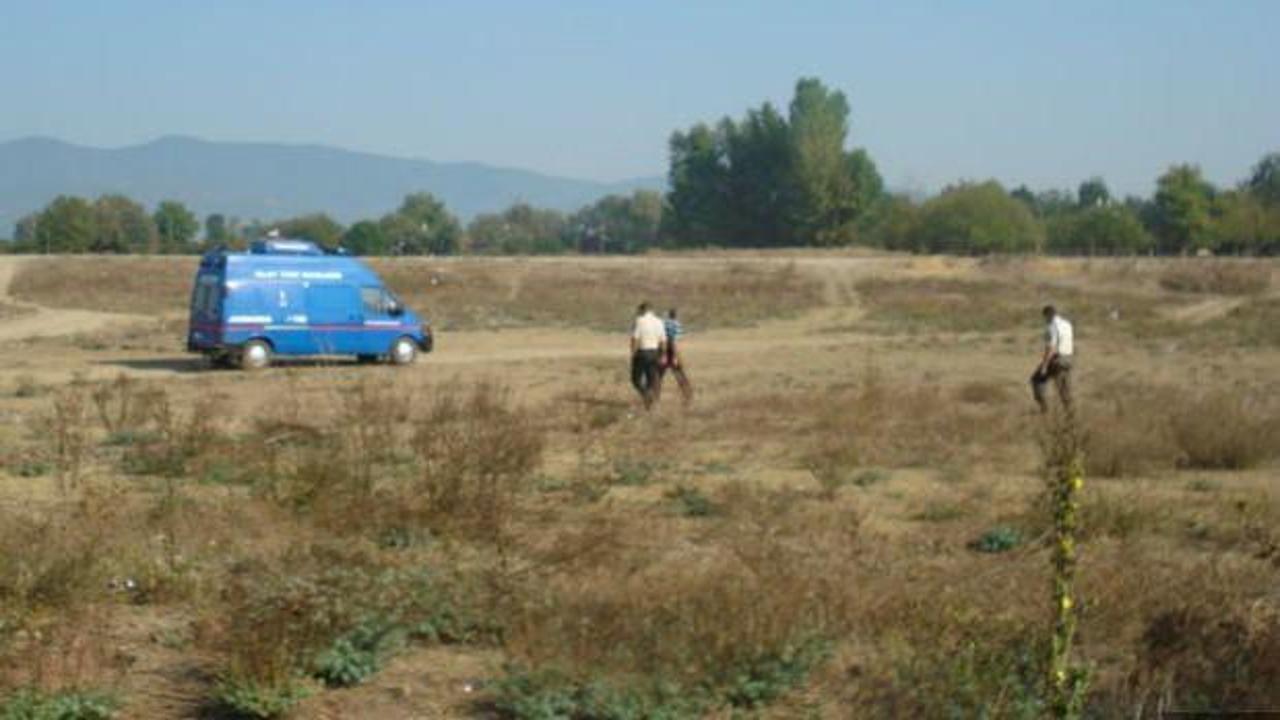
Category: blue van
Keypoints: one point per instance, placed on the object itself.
(289, 297)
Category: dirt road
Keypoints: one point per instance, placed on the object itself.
(454, 349)
(41, 321)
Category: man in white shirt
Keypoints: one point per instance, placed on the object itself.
(1055, 362)
(648, 338)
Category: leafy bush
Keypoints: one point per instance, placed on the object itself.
(766, 678)
(627, 471)
(29, 467)
(32, 704)
(336, 613)
(936, 511)
(690, 502)
(987, 678)
(549, 695)
(358, 654)
(997, 540)
(241, 698)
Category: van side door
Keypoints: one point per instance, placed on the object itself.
(289, 331)
(335, 317)
(381, 319)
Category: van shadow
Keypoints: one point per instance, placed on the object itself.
(170, 364)
(202, 365)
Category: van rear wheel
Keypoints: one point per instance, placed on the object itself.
(255, 355)
(403, 351)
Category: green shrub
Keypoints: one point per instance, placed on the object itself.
(31, 704)
(980, 679)
(359, 654)
(336, 614)
(871, 476)
(127, 438)
(940, 512)
(634, 472)
(248, 699)
(690, 502)
(550, 695)
(30, 468)
(997, 540)
(768, 677)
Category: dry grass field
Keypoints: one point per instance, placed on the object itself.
(849, 519)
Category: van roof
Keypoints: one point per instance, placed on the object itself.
(290, 267)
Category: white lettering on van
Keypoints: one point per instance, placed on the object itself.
(297, 275)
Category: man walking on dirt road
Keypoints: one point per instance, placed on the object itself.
(1055, 362)
(648, 338)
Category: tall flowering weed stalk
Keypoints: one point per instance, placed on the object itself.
(1064, 465)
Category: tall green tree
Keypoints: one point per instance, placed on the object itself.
(893, 224)
(769, 179)
(121, 226)
(1181, 210)
(176, 227)
(827, 197)
(366, 238)
(519, 230)
(620, 223)
(758, 180)
(24, 233)
(1244, 224)
(1093, 193)
(1264, 182)
(698, 199)
(217, 232)
(976, 218)
(422, 225)
(66, 225)
(319, 228)
(1098, 230)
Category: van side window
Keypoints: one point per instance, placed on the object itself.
(376, 301)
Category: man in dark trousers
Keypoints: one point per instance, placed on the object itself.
(1056, 360)
(672, 359)
(648, 339)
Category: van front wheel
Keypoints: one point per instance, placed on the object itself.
(255, 355)
(403, 351)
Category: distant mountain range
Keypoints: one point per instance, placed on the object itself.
(273, 181)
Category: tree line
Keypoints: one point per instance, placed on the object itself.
(421, 225)
(768, 179)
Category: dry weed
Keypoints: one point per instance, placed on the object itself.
(476, 454)
(111, 284)
(1221, 277)
(469, 293)
(768, 574)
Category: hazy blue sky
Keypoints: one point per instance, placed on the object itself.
(1045, 93)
